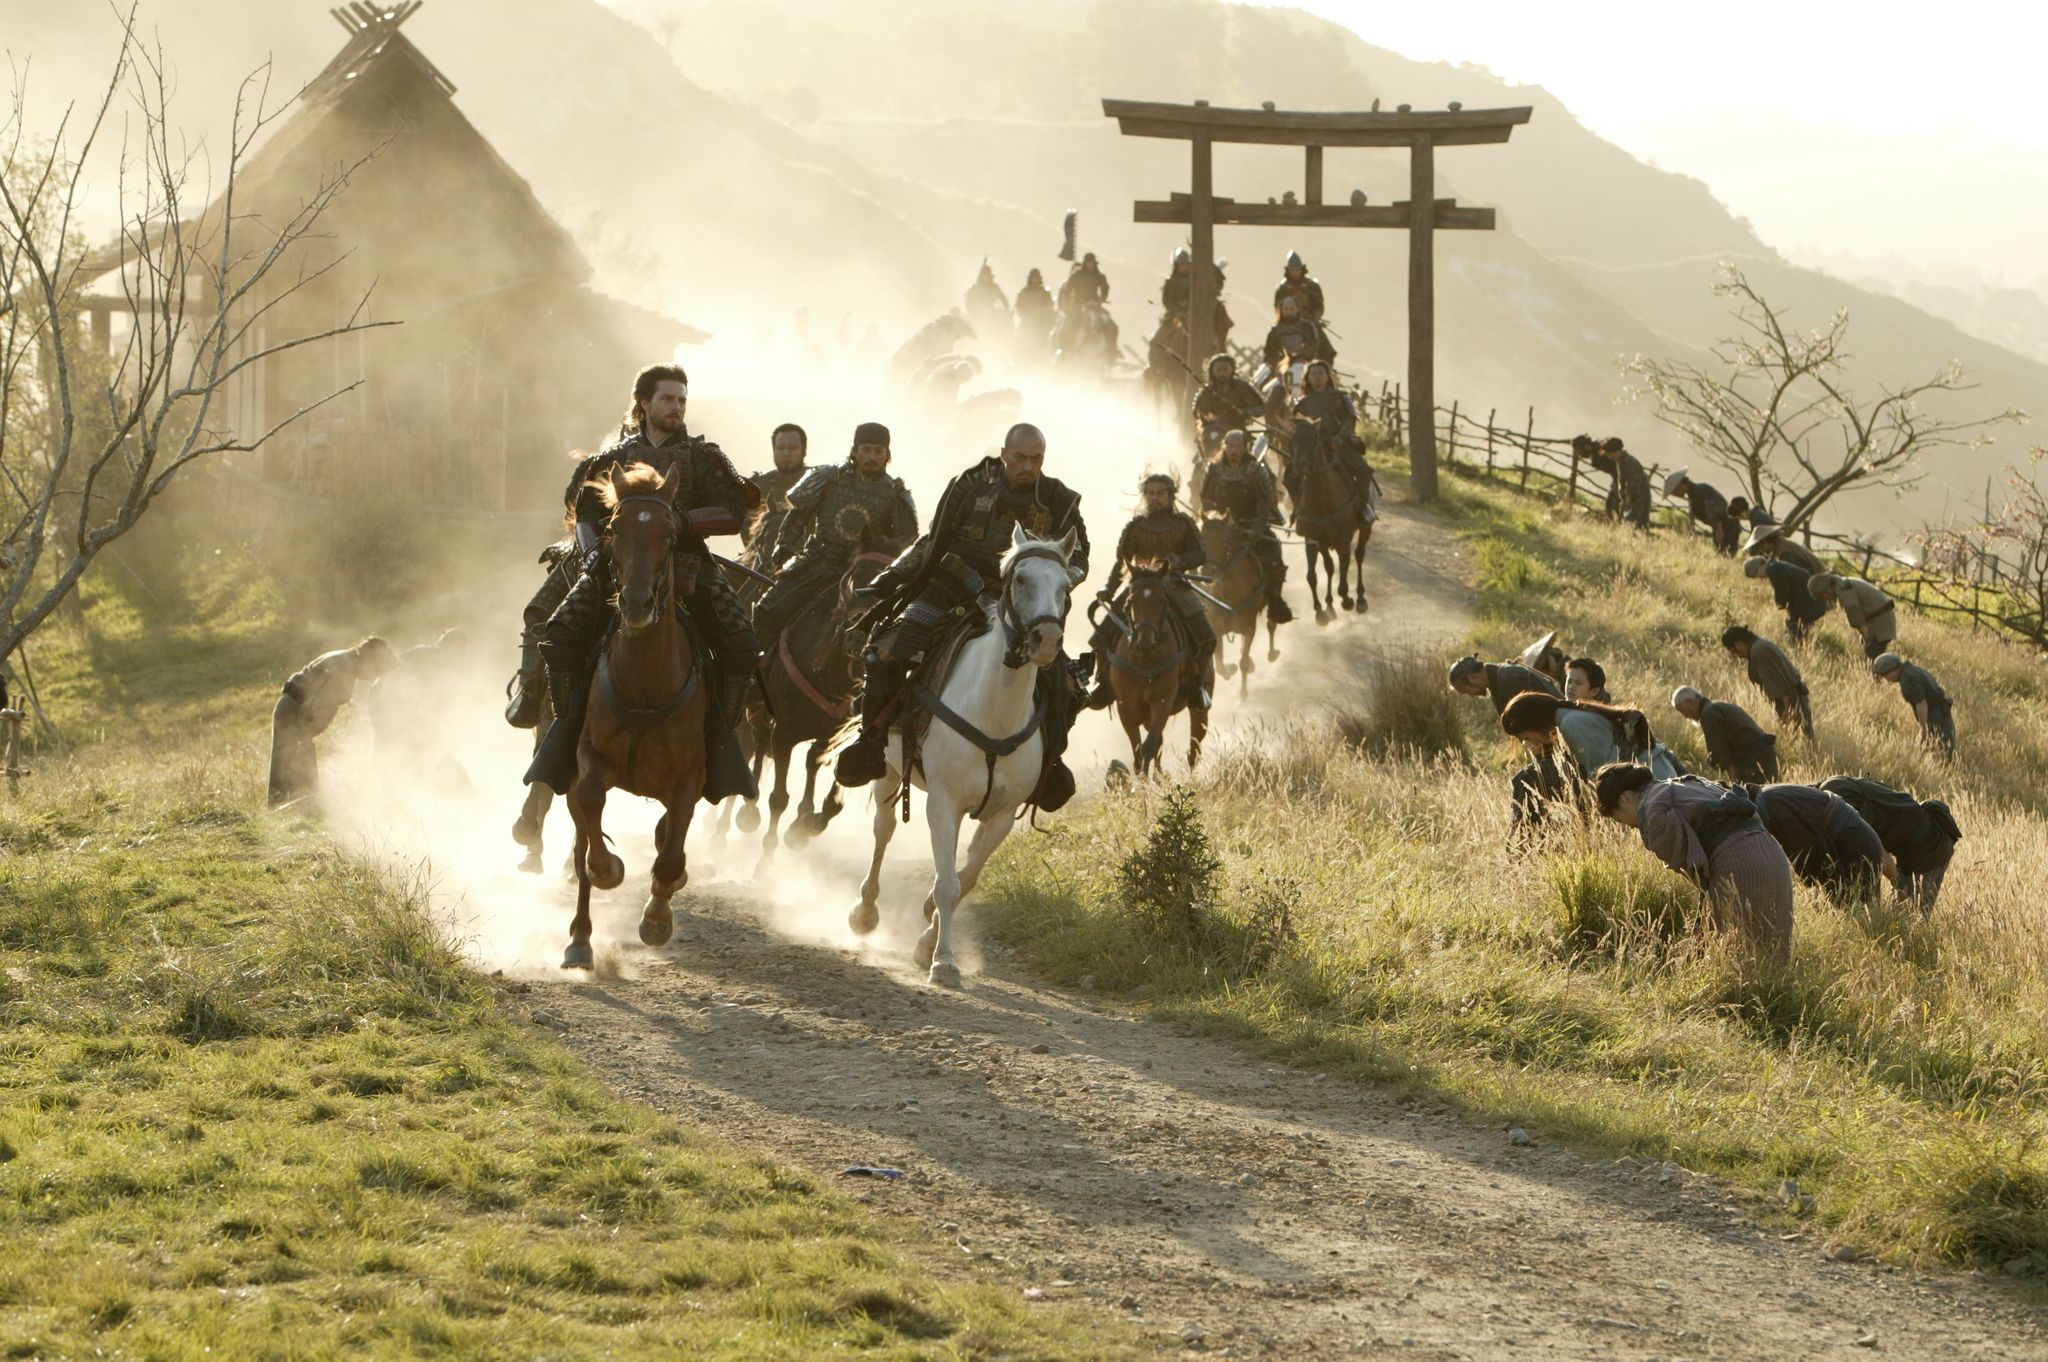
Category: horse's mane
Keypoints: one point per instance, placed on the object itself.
(633, 480)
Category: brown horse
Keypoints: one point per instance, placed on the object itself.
(1332, 516)
(809, 680)
(1237, 598)
(1149, 669)
(644, 730)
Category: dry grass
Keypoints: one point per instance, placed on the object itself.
(1896, 1067)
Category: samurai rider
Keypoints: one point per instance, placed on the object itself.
(1298, 284)
(1240, 489)
(941, 576)
(1329, 406)
(713, 500)
(1294, 339)
(1224, 403)
(790, 447)
(835, 514)
(1159, 533)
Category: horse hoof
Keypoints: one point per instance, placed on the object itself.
(657, 925)
(748, 818)
(944, 975)
(530, 864)
(1362, 606)
(927, 947)
(609, 873)
(579, 956)
(526, 833)
(864, 919)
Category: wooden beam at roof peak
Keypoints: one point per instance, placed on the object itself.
(1286, 127)
(1230, 213)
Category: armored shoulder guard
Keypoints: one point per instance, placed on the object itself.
(811, 488)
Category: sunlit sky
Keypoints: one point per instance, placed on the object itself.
(1868, 129)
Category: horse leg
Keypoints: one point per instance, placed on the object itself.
(1272, 641)
(1308, 555)
(1198, 728)
(778, 804)
(749, 816)
(987, 837)
(1127, 715)
(1158, 711)
(1225, 668)
(586, 806)
(533, 816)
(866, 916)
(1244, 659)
(1358, 556)
(671, 870)
(935, 946)
(808, 822)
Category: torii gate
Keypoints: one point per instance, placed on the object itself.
(1423, 214)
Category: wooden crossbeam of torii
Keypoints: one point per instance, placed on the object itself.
(1422, 213)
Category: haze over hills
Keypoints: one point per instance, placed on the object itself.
(730, 165)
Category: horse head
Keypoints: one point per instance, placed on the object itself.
(642, 532)
(1147, 604)
(1038, 579)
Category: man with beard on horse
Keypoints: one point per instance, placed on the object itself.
(1163, 534)
(834, 515)
(789, 445)
(939, 579)
(1294, 339)
(1225, 403)
(1240, 489)
(712, 500)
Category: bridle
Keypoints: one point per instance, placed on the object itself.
(1015, 630)
(665, 579)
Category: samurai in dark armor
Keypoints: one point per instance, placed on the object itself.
(835, 515)
(1159, 535)
(1240, 489)
(714, 500)
(938, 581)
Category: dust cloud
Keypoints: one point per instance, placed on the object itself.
(436, 801)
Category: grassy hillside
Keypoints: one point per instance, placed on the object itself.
(253, 1105)
(1371, 921)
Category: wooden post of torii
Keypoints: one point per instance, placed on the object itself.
(1422, 213)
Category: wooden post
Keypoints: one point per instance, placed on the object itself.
(1571, 494)
(1451, 436)
(1422, 316)
(1202, 226)
(1398, 418)
(1312, 185)
(1491, 412)
(10, 762)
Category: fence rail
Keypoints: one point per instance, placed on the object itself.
(1988, 593)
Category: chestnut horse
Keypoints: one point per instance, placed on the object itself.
(1332, 517)
(1149, 669)
(644, 730)
(809, 680)
(1236, 599)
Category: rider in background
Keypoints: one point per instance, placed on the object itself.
(1225, 403)
(789, 445)
(1296, 283)
(1163, 534)
(1240, 489)
(942, 575)
(1085, 286)
(835, 515)
(1294, 339)
(1331, 409)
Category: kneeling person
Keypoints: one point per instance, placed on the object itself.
(1160, 534)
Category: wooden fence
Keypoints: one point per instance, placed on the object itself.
(1987, 593)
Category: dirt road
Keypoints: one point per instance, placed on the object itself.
(1228, 1206)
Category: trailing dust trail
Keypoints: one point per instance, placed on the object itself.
(1219, 1202)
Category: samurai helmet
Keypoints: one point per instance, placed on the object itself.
(1182, 256)
(1295, 262)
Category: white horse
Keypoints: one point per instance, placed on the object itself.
(982, 754)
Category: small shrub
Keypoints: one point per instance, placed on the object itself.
(1507, 570)
(1169, 884)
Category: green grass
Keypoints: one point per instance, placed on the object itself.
(254, 1105)
(1897, 1068)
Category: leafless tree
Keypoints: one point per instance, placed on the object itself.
(88, 439)
(1777, 412)
(2009, 550)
